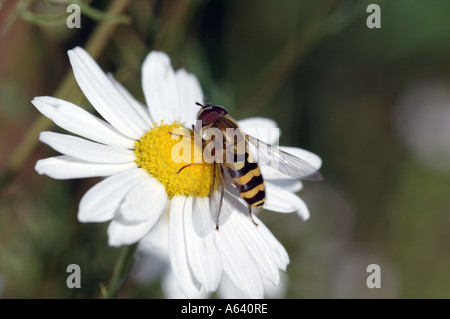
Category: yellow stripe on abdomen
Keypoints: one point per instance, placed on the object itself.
(252, 193)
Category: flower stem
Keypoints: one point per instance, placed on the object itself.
(120, 273)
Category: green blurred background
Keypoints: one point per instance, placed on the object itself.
(373, 103)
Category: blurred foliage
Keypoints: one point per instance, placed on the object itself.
(331, 84)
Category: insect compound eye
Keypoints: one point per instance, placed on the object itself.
(220, 109)
(209, 117)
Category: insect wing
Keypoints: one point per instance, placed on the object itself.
(284, 162)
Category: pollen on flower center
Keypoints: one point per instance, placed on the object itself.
(158, 151)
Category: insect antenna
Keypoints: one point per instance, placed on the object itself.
(205, 104)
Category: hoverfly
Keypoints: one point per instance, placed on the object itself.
(242, 173)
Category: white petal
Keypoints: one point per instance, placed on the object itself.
(237, 262)
(227, 290)
(256, 245)
(177, 249)
(101, 202)
(203, 256)
(276, 291)
(145, 201)
(160, 88)
(140, 108)
(103, 96)
(78, 121)
(288, 184)
(172, 290)
(122, 233)
(262, 128)
(156, 242)
(170, 286)
(67, 167)
(269, 172)
(282, 201)
(189, 92)
(308, 156)
(202, 223)
(278, 251)
(302, 210)
(86, 150)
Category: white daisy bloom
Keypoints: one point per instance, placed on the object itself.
(154, 252)
(131, 147)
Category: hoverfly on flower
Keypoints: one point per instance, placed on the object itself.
(234, 167)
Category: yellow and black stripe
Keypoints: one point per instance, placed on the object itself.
(249, 181)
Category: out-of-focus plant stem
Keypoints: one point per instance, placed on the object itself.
(175, 17)
(67, 90)
(61, 17)
(120, 273)
(291, 55)
(98, 15)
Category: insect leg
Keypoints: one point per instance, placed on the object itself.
(250, 214)
(222, 193)
(188, 166)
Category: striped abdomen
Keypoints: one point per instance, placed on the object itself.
(239, 163)
(248, 180)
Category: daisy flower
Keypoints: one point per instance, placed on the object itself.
(131, 147)
(153, 262)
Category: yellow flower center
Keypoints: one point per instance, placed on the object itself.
(166, 152)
